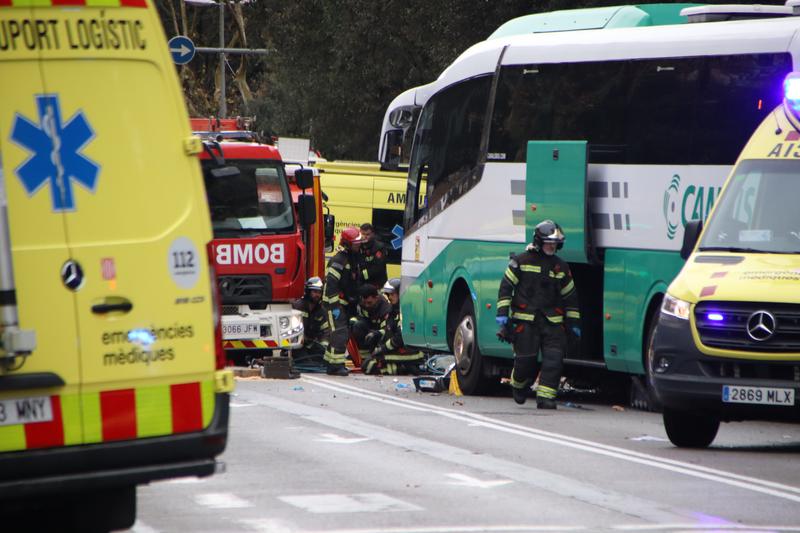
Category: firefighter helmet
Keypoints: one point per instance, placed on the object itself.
(392, 286)
(548, 231)
(351, 235)
(314, 284)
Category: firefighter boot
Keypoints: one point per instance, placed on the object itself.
(545, 403)
(336, 370)
(519, 394)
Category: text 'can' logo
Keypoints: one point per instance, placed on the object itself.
(671, 213)
(56, 152)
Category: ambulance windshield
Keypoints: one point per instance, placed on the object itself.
(257, 201)
(759, 212)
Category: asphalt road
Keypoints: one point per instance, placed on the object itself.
(365, 454)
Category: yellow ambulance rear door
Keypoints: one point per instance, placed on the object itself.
(39, 396)
(136, 220)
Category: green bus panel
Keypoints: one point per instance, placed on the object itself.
(555, 185)
(632, 279)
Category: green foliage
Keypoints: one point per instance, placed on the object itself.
(337, 64)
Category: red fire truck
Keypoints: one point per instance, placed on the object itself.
(269, 236)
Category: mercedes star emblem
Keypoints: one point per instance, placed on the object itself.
(761, 325)
(72, 275)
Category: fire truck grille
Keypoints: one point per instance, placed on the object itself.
(236, 290)
(749, 326)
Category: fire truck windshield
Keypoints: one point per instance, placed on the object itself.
(255, 202)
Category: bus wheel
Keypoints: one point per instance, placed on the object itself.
(469, 360)
(643, 394)
(690, 430)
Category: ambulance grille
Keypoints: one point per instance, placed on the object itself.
(235, 290)
(749, 326)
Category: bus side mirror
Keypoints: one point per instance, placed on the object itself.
(304, 177)
(330, 223)
(392, 150)
(306, 209)
(690, 235)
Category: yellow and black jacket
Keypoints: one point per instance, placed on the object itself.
(315, 322)
(342, 279)
(537, 283)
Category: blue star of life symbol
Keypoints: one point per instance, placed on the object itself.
(397, 242)
(56, 151)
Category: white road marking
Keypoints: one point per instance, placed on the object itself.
(604, 498)
(468, 481)
(337, 439)
(704, 527)
(644, 438)
(456, 529)
(221, 500)
(184, 480)
(141, 527)
(268, 525)
(763, 486)
(368, 502)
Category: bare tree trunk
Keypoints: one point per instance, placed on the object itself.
(240, 77)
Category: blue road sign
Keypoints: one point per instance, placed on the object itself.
(182, 49)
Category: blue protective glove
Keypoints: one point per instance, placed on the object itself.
(576, 331)
(336, 312)
(501, 320)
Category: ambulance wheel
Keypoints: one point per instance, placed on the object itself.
(690, 430)
(469, 360)
(110, 510)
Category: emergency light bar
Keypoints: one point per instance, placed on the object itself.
(791, 92)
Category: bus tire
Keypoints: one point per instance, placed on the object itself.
(686, 429)
(469, 360)
(642, 394)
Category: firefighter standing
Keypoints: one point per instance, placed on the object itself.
(392, 356)
(536, 301)
(373, 257)
(342, 279)
(316, 328)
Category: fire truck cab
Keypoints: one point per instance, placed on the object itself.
(268, 238)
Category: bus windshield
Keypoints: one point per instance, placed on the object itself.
(758, 211)
(255, 202)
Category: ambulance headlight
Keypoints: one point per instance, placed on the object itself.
(674, 307)
(791, 91)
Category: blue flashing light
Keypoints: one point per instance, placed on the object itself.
(791, 90)
(715, 317)
(143, 337)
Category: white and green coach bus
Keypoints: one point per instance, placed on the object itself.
(621, 132)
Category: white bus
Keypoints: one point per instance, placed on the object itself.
(621, 135)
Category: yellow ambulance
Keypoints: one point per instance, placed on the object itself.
(727, 343)
(111, 366)
(359, 192)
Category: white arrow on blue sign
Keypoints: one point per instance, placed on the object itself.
(182, 49)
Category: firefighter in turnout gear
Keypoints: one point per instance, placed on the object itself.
(537, 305)
(392, 356)
(369, 324)
(316, 328)
(342, 280)
(373, 257)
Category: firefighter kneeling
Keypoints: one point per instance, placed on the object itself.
(536, 300)
(384, 340)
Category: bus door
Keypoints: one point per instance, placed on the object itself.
(556, 189)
